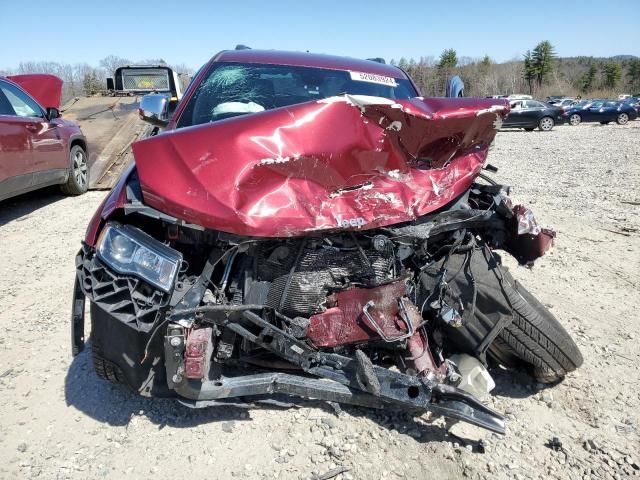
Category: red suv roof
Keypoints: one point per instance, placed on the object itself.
(308, 60)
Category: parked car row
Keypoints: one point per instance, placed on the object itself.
(532, 114)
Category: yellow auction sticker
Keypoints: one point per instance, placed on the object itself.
(373, 78)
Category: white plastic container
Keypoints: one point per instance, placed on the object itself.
(475, 377)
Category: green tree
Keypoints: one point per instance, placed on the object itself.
(485, 65)
(587, 82)
(543, 59)
(612, 72)
(529, 72)
(539, 64)
(446, 67)
(633, 75)
(448, 59)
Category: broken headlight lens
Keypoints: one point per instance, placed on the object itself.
(128, 250)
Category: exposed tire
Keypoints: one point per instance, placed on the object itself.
(536, 337)
(622, 119)
(546, 124)
(107, 370)
(575, 119)
(529, 129)
(531, 336)
(78, 180)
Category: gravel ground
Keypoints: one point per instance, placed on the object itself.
(60, 421)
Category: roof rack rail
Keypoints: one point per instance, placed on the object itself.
(378, 60)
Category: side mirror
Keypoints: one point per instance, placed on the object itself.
(154, 109)
(53, 113)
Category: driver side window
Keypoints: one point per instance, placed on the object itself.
(22, 104)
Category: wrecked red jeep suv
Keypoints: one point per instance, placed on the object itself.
(309, 225)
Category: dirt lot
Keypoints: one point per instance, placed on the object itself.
(60, 421)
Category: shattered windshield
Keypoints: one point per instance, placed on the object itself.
(232, 89)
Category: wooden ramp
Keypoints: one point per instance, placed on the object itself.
(111, 125)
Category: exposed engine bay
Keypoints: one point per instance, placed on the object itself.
(367, 318)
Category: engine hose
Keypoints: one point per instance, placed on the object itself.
(217, 308)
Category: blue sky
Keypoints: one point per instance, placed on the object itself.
(191, 32)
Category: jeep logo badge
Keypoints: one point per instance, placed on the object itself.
(351, 222)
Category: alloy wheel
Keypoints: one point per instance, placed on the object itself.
(80, 168)
(546, 124)
(623, 118)
(575, 119)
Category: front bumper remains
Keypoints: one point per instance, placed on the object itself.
(146, 364)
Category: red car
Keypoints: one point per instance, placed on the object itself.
(309, 225)
(37, 147)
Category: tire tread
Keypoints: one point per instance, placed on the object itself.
(537, 337)
(105, 369)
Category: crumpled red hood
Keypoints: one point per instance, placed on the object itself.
(350, 162)
(45, 88)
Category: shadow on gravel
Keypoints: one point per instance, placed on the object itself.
(404, 424)
(20, 207)
(116, 405)
(515, 383)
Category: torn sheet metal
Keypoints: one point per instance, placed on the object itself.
(350, 315)
(529, 241)
(347, 162)
(44, 88)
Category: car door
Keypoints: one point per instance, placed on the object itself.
(593, 113)
(48, 159)
(15, 152)
(533, 113)
(610, 112)
(514, 119)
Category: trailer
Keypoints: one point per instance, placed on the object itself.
(143, 79)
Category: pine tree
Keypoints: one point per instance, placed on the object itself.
(446, 67)
(587, 82)
(633, 76)
(485, 65)
(612, 73)
(529, 70)
(448, 59)
(543, 59)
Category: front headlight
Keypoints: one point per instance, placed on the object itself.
(128, 250)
